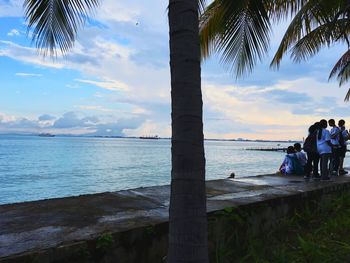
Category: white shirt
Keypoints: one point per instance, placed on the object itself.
(287, 164)
(302, 158)
(335, 135)
(322, 145)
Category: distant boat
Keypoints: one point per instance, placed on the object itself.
(150, 137)
(46, 135)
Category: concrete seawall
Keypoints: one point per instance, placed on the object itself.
(131, 225)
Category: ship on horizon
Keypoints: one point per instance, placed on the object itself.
(155, 137)
(46, 135)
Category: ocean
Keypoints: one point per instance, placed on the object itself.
(35, 168)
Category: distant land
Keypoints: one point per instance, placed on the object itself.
(136, 137)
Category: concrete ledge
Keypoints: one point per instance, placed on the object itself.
(131, 225)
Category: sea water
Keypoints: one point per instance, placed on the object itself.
(34, 168)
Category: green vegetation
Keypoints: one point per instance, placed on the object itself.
(318, 233)
(104, 242)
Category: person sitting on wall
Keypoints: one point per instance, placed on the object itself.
(287, 165)
(291, 164)
(301, 155)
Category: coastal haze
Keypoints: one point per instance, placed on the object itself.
(34, 168)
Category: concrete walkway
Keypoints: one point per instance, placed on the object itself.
(39, 225)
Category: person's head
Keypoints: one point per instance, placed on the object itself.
(341, 123)
(312, 128)
(323, 124)
(331, 122)
(297, 147)
(317, 125)
(290, 149)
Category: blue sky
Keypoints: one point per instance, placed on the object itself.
(115, 81)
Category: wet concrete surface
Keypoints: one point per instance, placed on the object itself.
(39, 225)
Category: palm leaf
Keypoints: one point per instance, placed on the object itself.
(55, 22)
(281, 9)
(300, 25)
(209, 26)
(342, 70)
(341, 63)
(311, 43)
(201, 6)
(239, 30)
(314, 17)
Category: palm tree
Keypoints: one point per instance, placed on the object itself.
(187, 212)
(55, 24)
(239, 30)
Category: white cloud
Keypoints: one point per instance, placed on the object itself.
(13, 32)
(68, 123)
(280, 111)
(26, 54)
(108, 84)
(94, 108)
(22, 74)
(11, 8)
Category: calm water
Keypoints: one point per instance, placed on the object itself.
(33, 168)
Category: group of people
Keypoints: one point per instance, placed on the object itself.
(322, 146)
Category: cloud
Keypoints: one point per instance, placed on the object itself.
(26, 54)
(93, 108)
(288, 97)
(46, 117)
(69, 123)
(21, 74)
(108, 84)
(13, 32)
(11, 8)
(71, 120)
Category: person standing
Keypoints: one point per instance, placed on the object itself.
(335, 135)
(324, 148)
(310, 147)
(344, 136)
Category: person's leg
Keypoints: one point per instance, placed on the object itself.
(325, 166)
(316, 160)
(336, 160)
(332, 160)
(341, 161)
(308, 166)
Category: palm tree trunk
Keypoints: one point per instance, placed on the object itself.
(187, 212)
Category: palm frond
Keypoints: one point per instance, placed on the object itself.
(301, 25)
(55, 22)
(311, 43)
(314, 17)
(280, 9)
(342, 70)
(201, 6)
(209, 27)
(347, 96)
(341, 63)
(239, 30)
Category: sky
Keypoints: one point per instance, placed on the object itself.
(116, 82)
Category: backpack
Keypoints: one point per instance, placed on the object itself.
(298, 169)
(310, 143)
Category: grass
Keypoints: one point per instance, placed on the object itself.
(321, 234)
